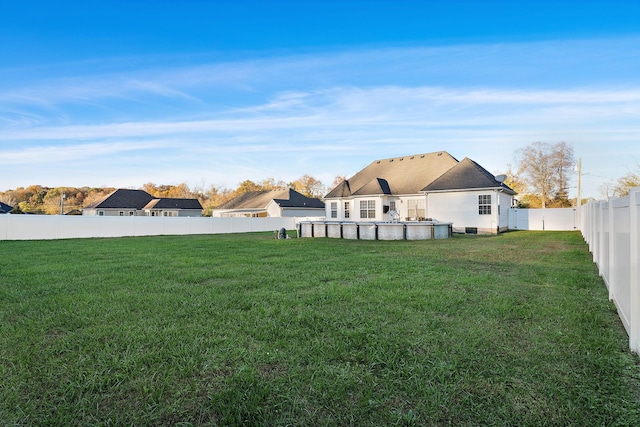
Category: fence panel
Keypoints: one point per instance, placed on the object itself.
(611, 229)
(550, 219)
(46, 227)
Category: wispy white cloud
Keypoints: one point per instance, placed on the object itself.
(424, 107)
(72, 152)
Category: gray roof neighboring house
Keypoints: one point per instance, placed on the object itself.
(123, 199)
(438, 171)
(260, 200)
(173, 203)
(5, 208)
(140, 199)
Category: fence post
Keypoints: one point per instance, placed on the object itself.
(612, 251)
(634, 273)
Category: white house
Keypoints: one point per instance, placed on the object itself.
(432, 186)
(270, 203)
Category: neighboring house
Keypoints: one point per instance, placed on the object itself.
(270, 203)
(124, 202)
(5, 208)
(432, 186)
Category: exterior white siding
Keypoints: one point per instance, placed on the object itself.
(462, 209)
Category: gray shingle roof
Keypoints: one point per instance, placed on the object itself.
(403, 175)
(5, 208)
(437, 171)
(174, 203)
(140, 199)
(260, 199)
(466, 175)
(123, 199)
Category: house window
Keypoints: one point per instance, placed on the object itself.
(484, 204)
(367, 208)
(334, 209)
(121, 213)
(132, 213)
(100, 213)
(347, 209)
(416, 208)
(392, 205)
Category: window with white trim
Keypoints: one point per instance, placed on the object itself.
(334, 209)
(347, 209)
(367, 209)
(484, 204)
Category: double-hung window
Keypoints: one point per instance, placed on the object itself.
(334, 209)
(484, 204)
(347, 209)
(367, 209)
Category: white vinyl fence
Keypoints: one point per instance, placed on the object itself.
(549, 219)
(610, 228)
(36, 227)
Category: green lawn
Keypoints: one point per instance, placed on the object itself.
(513, 329)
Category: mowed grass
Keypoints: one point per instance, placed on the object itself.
(514, 329)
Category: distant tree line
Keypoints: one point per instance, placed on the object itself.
(52, 200)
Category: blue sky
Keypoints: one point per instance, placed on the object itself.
(120, 93)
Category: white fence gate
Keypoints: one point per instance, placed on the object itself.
(611, 228)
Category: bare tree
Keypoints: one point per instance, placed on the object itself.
(563, 162)
(545, 169)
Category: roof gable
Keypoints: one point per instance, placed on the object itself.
(341, 190)
(375, 186)
(466, 175)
